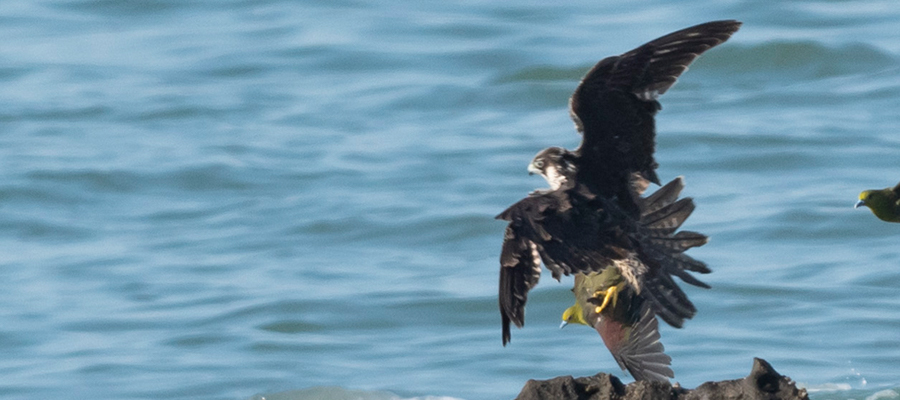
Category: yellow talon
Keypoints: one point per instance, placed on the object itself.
(609, 293)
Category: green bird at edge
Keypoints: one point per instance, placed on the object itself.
(884, 203)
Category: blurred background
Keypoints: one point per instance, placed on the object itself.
(295, 199)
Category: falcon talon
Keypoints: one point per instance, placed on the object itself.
(609, 293)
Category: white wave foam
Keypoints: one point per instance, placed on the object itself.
(884, 394)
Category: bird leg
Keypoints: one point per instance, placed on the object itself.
(609, 293)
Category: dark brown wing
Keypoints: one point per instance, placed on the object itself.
(548, 228)
(666, 297)
(650, 70)
(615, 103)
(520, 270)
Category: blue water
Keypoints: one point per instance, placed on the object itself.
(294, 200)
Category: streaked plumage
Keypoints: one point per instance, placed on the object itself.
(884, 203)
(593, 217)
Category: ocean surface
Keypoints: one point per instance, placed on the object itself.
(294, 199)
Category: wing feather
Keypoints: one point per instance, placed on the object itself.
(667, 299)
(631, 333)
(663, 196)
(615, 103)
(643, 355)
(520, 270)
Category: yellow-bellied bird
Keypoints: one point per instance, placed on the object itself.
(884, 203)
(590, 217)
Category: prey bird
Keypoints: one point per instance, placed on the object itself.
(628, 328)
(593, 217)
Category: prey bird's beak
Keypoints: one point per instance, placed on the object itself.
(859, 204)
(532, 170)
(563, 324)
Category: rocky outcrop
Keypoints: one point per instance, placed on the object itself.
(763, 383)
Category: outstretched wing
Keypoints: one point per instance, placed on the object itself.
(614, 106)
(639, 350)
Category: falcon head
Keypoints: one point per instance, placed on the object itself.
(556, 165)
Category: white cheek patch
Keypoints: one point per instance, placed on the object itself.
(554, 178)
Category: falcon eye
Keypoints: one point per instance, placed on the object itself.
(539, 164)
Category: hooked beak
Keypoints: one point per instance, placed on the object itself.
(532, 170)
(563, 324)
(859, 204)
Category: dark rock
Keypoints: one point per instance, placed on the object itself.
(600, 386)
(763, 383)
